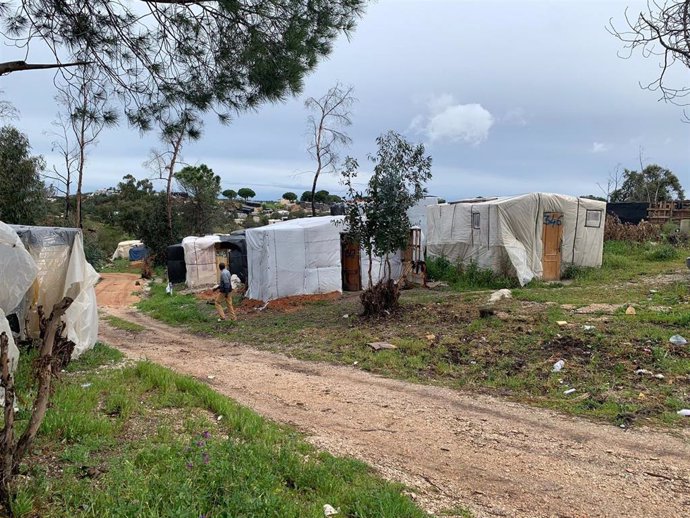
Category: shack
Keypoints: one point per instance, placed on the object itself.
(528, 236)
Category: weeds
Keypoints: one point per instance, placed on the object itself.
(125, 325)
(144, 441)
(469, 276)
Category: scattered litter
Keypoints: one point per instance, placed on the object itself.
(569, 391)
(677, 340)
(558, 366)
(431, 337)
(653, 291)
(642, 372)
(85, 385)
(685, 412)
(355, 363)
(346, 315)
(659, 376)
(376, 346)
(329, 510)
(561, 323)
(169, 288)
(500, 294)
(436, 284)
(211, 377)
(630, 310)
(588, 328)
(219, 418)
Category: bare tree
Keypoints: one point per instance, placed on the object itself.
(331, 114)
(661, 31)
(13, 451)
(176, 128)
(84, 97)
(7, 110)
(613, 180)
(61, 177)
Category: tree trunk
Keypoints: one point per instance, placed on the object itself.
(177, 145)
(7, 438)
(44, 376)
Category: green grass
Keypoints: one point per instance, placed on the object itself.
(510, 354)
(140, 440)
(121, 266)
(125, 325)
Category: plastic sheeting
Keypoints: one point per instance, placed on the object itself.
(123, 248)
(505, 234)
(417, 215)
(303, 257)
(200, 260)
(17, 274)
(295, 257)
(58, 254)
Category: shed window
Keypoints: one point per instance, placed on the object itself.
(593, 218)
(475, 220)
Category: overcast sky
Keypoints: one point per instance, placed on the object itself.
(509, 97)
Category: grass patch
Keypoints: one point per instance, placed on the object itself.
(143, 441)
(121, 266)
(441, 338)
(469, 276)
(125, 325)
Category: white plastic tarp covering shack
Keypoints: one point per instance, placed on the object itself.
(123, 248)
(200, 260)
(505, 234)
(62, 270)
(302, 257)
(17, 274)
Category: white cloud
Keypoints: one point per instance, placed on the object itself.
(448, 120)
(599, 147)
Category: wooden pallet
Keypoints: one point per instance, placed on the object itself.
(668, 211)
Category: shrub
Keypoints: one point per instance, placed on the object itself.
(614, 230)
(469, 276)
(665, 252)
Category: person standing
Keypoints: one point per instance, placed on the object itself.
(225, 294)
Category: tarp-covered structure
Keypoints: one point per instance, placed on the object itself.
(62, 270)
(303, 257)
(123, 248)
(39, 266)
(201, 258)
(507, 234)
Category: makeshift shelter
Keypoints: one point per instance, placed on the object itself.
(528, 236)
(124, 247)
(203, 254)
(308, 256)
(417, 215)
(60, 269)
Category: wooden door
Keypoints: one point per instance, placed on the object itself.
(552, 239)
(350, 260)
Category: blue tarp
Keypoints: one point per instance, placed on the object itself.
(138, 253)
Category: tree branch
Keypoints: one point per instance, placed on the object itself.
(16, 66)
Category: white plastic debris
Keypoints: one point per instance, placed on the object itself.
(558, 366)
(588, 328)
(219, 418)
(85, 385)
(169, 288)
(643, 372)
(685, 412)
(677, 340)
(569, 391)
(562, 323)
(211, 377)
(500, 294)
(659, 376)
(329, 510)
(346, 315)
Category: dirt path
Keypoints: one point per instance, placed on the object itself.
(115, 289)
(498, 458)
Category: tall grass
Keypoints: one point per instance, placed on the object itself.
(467, 276)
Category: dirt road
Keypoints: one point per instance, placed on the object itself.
(115, 289)
(498, 458)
